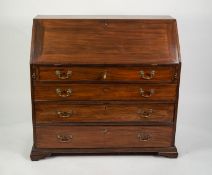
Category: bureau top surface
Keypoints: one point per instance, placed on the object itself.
(106, 40)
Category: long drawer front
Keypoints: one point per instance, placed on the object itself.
(103, 136)
(51, 91)
(139, 74)
(60, 112)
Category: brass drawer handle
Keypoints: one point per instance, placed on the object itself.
(64, 138)
(147, 93)
(63, 93)
(64, 114)
(63, 75)
(147, 76)
(145, 113)
(143, 137)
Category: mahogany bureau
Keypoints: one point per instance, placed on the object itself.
(104, 85)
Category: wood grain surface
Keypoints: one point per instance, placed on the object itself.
(103, 136)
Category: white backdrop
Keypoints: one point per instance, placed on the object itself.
(193, 139)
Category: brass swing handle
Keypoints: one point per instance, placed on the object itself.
(145, 113)
(147, 76)
(147, 93)
(64, 138)
(143, 137)
(63, 93)
(63, 75)
(64, 114)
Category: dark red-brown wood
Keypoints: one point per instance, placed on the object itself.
(104, 84)
(105, 91)
(103, 136)
(108, 73)
(129, 41)
(64, 113)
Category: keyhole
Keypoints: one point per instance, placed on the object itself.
(105, 108)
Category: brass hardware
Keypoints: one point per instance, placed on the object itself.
(33, 75)
(104, 75)
(63, 75)
(147, 76)
(64, 114)
(175, 75)
(147, 93)
(145, 113)
(64, 138)
(143, 137)
(63, 93)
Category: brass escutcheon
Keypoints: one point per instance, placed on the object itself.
(63, 93)
(147, 93)
(145, 113)
(64, 114)
(143, 137)
(64, 138)
(63, 75)
(147, 76)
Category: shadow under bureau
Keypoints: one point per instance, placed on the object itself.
(104, 85)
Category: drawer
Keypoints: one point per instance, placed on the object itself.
(49, 91)
(102, 136)
(53, 113)
(140, 74)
